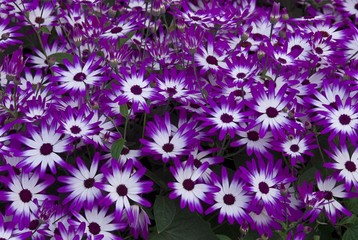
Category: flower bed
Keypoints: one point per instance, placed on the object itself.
(170, 120)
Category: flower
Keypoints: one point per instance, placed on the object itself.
(123, 184)
(72, 232)
(324, 199)
(210, 59)
(99, 224)
(21, 192)
(187, 187)
(232, 200)
(45, 146)
(77, 78)
(168, 143)
(8, 35)
(345, 163)
(263, 181)
(135, 89)
(270, 106)
(81, 185)
(226, 117)
(41, 15)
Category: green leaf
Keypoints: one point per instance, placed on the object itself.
(251, 235)
(353, 220)
(45, 29)
(122, 41)
(117, 147)
(164, 212)
(123, 109)
(59, 57)
(222, 237)
(186, 225)
(307, 176)
(352, 205)
(351, 233)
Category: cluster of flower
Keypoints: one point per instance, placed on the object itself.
(236, 100)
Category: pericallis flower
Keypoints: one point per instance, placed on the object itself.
(122, 183)
(8, 35)
(21, 192)
(188, 188)
(45, 145)
(168, 142)
(78, 78)
(232, 200)
(9, 231)
(81, 185)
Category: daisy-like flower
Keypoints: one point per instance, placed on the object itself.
(123, 184)
(270, 105)
(232, 200)
(168, 142)
(241, 69)
(99, 224)
(8, 35)
(81, 185)
(263, 222)
(351, 47)
(210, 58)
(342, 120)
(71, 232)
(346, 164)
(22, 190)
(187, 186)
(9, 231)
(45, 146)
(254, 143)
(77, 77)
(44, 60)
(135, 89)
(173, 85)
(121, 28)
(263, 181)
(41, 15)
(77, 124)
(350, 6)
(225, 117)
(201, 157)
(296, 146)
(324, 198)
(300, 44)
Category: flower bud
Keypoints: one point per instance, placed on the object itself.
(275, 13)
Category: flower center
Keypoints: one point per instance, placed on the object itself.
(168, 147)
(46, 149)
(229, 199)
(356, 6)
(264, 188)
(253, 136)
(188, 184)
(296, 48)
(281, 60)
(136, 90)
(245, 44)
(122, 190)
(305, 82)
(318, 50)
(212, 60)
(75, 129)
(294, 148)
(89, 183)
(194, 105)
(25, 195)
(94, 228)
(226, 118)
(333, 104)
(328, 195)
(240, 75)
(195, 18)
(171, 91)
(79, 77)
(33, 224)
(39, 20)
(239, 93)
(324, 34)
(271, 112)
(344, 119)
(124, 151)
(350, 166)
(197, 163)
(116, 30)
